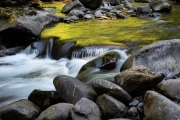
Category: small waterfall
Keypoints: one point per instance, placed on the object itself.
(93, 51)
(90, 74)
(22, 73)
(51, 48)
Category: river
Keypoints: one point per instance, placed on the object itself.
(22, 73)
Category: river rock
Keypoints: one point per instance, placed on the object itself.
(161, 56)
(23, 30)
(103, 86)
(19, 110)
(106, 61)
(158, 107)
(143, 9)
(72, 90)
(44, 99)
(59, 111)
(138, 78)
(77, 13)
(133, 113)
(92, 4)
(160, 6)
(170, 88)
(71, 5)
(85, 109)
(9, 51)
(120, 15)
(110, 107)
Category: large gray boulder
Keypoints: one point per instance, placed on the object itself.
(59, 111)
(19, 110)
(85, 109)
(111, 107)
(161, 56)
(158, 107)
(170, 88)
(72, 90)
(138, 78)
(23, 29)
(103, 86)
(92, 4)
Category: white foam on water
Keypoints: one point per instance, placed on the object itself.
(20, 74)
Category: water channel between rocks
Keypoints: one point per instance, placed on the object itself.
(22, 73)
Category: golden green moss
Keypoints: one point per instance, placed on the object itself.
(141, 31)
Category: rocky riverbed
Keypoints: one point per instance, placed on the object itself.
(145, 88)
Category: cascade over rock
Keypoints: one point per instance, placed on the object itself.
(52, 47)
(161, 56)
(107, 61)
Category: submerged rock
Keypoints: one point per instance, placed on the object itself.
(20, 110)
(110, 107)
(103, 86)
(160, 6)
(161, 56)
(72, 90)
(44, 99)
(59, 111)
(170, 88)
(138, 78)
(9, 51)
(107, 61)
(85, 109)
(158, 107)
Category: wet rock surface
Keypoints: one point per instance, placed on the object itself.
(25, 28)
(85, 109)
(110, 107)
(19, 110)
(103, 86)
(107, 61)
(59, 111)
(170, 88)
(158, 57)
(72, 90)
(44, 99)
(138, 78)
(158, 107)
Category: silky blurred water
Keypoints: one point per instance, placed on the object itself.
(20, 74)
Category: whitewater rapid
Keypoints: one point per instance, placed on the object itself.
(20, 74)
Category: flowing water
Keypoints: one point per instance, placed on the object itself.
(22, 73)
